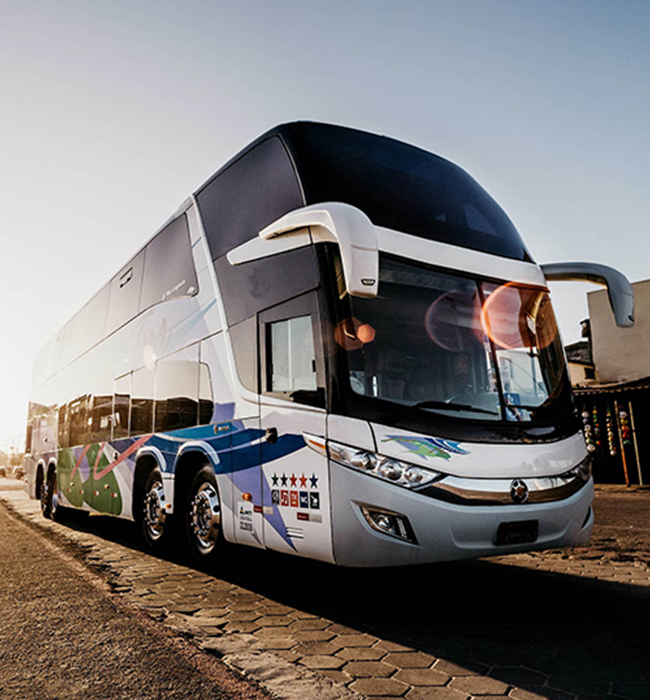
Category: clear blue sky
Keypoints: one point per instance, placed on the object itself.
(113, 112)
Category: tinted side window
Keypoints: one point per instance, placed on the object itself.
(169, 269)
(40, 366)
(121, 406)
(64, 427)
(260, 284)
(78, 412)
(249, 194)
(177, 390)
(74, 338)
(95, 314)
(55, 353)
(100, 418)
(142, 402)
(125, 293)
(243, 337)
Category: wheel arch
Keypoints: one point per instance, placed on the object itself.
(192, 457)
(146, 460)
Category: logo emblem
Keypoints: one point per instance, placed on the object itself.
(518, 491)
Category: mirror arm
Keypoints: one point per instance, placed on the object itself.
(345, 225)
(619, 290)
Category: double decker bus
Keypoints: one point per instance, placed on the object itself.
(338, 347)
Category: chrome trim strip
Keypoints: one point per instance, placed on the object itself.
(498, 491)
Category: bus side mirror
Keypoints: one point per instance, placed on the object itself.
(619, 290)
(342, 224)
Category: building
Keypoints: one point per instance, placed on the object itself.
(610, 373)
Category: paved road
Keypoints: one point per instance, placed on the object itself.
(563, 625)
(62, 637)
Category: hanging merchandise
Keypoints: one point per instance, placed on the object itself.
(588, 431)
(594, 420)
(626, 432)
(611, 439)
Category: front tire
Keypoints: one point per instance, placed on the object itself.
(153, 516)
(203, 516)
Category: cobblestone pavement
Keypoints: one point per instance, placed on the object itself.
(555, 626)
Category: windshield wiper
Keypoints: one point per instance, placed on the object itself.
(443, 405)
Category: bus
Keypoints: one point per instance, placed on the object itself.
(338, 347)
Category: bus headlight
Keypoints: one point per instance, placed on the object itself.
(363, 460)
(582, 471)
(391, 469)
(386, 468)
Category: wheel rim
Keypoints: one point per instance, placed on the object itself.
(54, 497)
(154, 511)
(205, 517)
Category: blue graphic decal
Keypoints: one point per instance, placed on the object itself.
(427, 446)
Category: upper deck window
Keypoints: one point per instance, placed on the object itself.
(252, 192)
(169, 268)
(400, 187)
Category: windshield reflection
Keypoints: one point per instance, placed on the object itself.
(456, 346)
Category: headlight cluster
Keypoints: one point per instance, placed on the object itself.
(386, 468)
(582, 471)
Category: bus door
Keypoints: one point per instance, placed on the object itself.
(295, 478)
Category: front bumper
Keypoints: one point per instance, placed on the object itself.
(444, 530)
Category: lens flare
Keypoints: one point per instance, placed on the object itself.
(519, 318)
(452, 321)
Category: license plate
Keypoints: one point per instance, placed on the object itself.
(522, 532)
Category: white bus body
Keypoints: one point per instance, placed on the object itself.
(337, 348)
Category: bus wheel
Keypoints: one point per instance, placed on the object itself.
(44, 496)
(56, 511)
(203, 515)
(153, 516)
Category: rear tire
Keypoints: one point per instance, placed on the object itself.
(203, 516)
(49, 497)
(57, 511)
(44, 496)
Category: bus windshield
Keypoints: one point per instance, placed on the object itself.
(457, 346)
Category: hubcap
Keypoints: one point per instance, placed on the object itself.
(205, 517)
(54, 498)
(154, 511)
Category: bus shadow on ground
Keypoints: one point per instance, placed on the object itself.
(557, 635)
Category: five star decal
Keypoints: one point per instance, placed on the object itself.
(293, 479)
(307, 498)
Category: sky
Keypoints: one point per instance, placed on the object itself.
(112, 113)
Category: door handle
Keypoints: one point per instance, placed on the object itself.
(271, 435)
